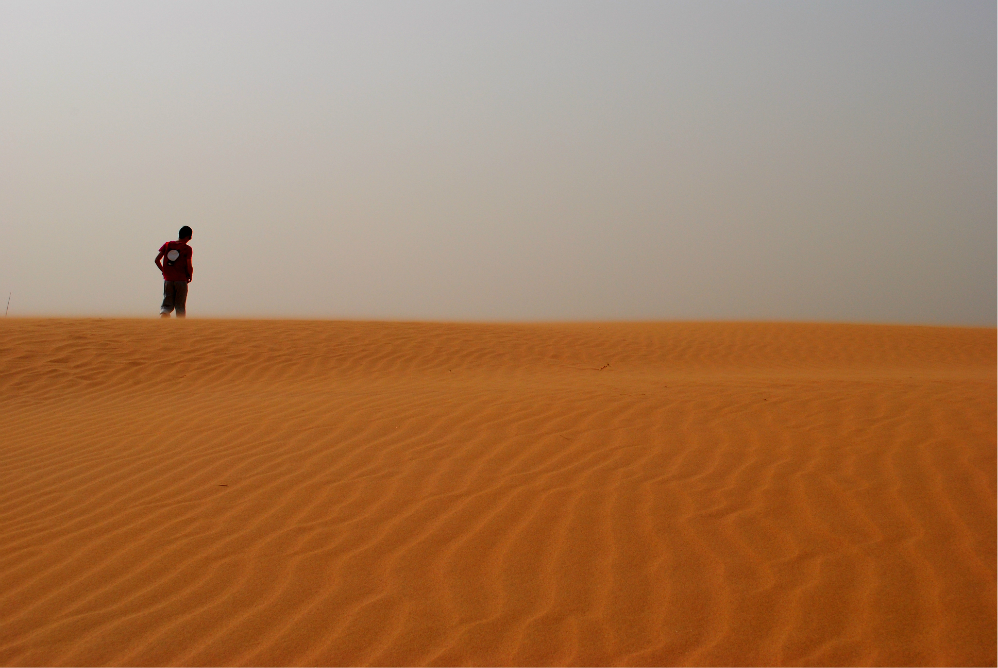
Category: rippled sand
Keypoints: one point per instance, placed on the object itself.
(281, 492)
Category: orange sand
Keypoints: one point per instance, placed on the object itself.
(278, 492)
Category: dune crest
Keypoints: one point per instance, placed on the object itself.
(346, 493)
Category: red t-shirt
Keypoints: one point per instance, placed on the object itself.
(180, 267)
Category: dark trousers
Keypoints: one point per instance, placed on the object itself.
(174, 297)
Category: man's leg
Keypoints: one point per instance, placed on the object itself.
(168, 296)
(180, 298)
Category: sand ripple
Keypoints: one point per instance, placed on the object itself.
(275, 492)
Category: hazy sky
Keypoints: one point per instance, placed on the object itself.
(503, 160)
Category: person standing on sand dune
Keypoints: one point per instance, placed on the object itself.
(175, 261)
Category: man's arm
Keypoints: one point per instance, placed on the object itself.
(159, 261)
(190, 266)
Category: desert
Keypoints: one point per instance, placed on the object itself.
(279, 492)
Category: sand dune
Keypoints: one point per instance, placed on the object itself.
(276, 492)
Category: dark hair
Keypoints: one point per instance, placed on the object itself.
(185, 232)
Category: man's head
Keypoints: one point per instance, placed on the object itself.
(185, 233)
